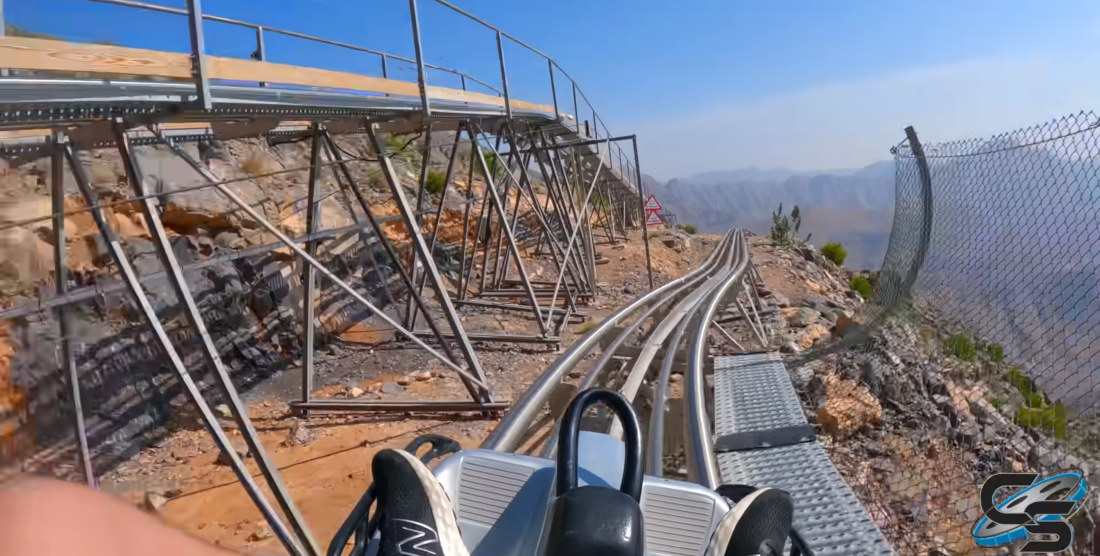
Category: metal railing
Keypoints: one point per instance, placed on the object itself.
(615, 157)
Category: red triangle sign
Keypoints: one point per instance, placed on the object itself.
(651, 203)
(653, 219)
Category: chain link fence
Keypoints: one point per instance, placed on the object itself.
(979, 352)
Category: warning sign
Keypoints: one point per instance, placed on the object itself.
(653, 219)
(651, 203)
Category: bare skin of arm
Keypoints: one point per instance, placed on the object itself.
(42, 516)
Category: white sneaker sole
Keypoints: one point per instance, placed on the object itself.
(450, 538)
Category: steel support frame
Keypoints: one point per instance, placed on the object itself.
(64, 312)
(490, 187)
(309, 274)
(430, 269)
(395, 259)
(221, 439)
(324, 271)
(151, 214)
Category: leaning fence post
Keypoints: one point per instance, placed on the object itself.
(926, 203)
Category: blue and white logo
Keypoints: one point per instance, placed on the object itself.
(1042, 507)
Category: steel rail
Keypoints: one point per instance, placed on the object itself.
(699, 450)
(509, 432)
(609, 352)
(684, 310)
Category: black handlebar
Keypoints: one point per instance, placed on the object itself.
(569, 436)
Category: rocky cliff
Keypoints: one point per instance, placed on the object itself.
(918, 412)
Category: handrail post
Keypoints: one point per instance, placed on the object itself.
(385, 70)
(553, 88)
(198, 56)
(463, 77)
(641, 206)
(3, 26)
(261, 52)
(421, 75)
(576, 109)
(504, 76)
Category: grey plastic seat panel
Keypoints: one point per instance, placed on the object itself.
(754, 393)
(501, 500)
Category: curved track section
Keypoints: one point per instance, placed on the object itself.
(758, 434)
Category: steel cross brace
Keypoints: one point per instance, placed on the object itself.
(209, 419)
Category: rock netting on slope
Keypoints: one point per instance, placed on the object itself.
(913, 427)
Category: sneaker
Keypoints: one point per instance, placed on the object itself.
(417, 516)
(759, 523)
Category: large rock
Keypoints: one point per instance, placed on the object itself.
(848, 407)
(811, 334)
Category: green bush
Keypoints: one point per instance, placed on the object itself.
(834, 252)
(436, 182)
(588, 326)
(862, 285)
(998, 403)
(490, 162)
(996, 352)
(1019, 381)
(688, 228)
(1051, 418)
(962, 347)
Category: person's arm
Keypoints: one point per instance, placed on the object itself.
(42, 516)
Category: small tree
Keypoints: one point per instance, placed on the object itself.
(834, 252)
(796, 219)
(781, 227)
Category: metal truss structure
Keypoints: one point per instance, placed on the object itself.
(563, 179)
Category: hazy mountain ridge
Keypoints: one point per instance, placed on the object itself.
(853, 207)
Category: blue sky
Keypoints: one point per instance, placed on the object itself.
(706, 85)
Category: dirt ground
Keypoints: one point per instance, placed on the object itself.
(325, 459)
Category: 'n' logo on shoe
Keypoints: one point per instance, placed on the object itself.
(417, 539)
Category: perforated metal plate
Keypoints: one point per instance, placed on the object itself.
(754, 391)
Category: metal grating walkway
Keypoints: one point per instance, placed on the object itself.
(752, 395)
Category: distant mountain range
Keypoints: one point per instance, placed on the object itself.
(852, 207)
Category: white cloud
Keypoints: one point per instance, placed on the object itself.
(851, 124)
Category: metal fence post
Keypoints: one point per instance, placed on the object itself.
(261, 53)
(385, 70)
(641, 204)
(553, 89)
(3, 31)
(421, 75)
(198, 56)
(926, 215)
(576, 109)
(504, 76)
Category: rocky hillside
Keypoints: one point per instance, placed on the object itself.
(920, 412)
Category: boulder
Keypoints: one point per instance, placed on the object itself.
(811, 334)
(299, 434)
(848, 407)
